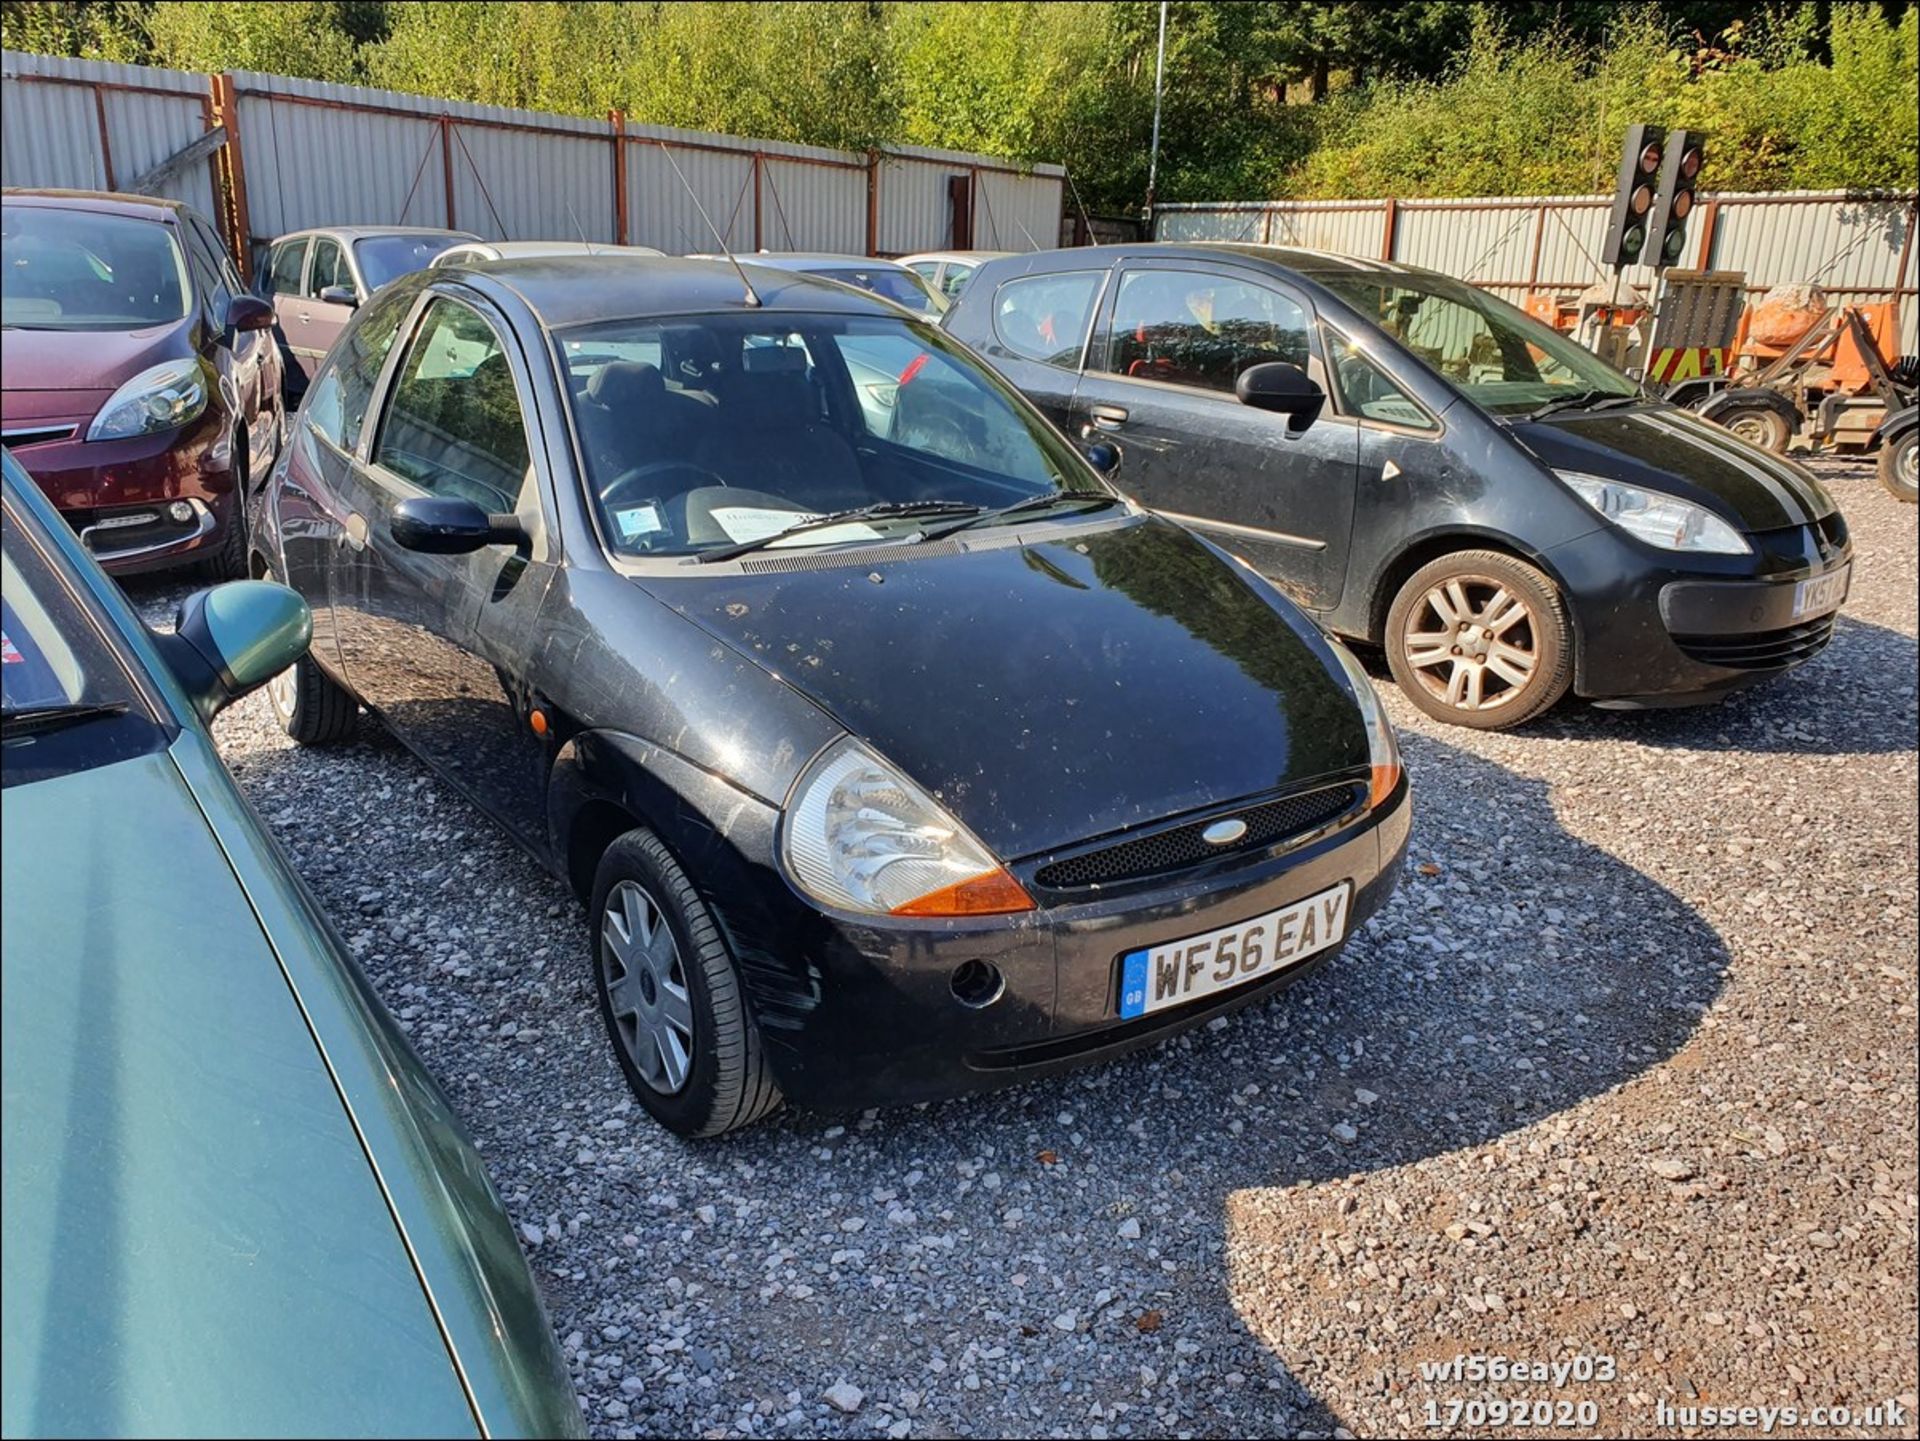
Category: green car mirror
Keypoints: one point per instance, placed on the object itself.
(233, 639)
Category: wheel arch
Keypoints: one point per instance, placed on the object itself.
(1424, 549)
(1742, 397)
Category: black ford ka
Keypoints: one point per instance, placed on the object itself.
(895, 754)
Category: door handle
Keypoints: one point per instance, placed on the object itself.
(354, 532)
(1108, 417)
(305, 316)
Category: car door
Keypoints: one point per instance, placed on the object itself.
(246, 357)
(282, 280)
(1158, 385)
(311, 493)
(322, 320)
(1037, 334)
(437, 643)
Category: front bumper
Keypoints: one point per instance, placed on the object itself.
(1683, 630)
(95, 483)
(879, 1024)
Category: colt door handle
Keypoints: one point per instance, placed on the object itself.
(1109, 417)
(305, 316)
(354, 532)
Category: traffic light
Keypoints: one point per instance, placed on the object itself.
(1633, 198)
(1673, 199)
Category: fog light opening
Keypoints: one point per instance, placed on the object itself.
(180, 511)
(977, 984)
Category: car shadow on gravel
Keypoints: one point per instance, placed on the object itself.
(1517, 972)
(1856, 697)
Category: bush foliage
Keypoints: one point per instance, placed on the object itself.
(1262, 100)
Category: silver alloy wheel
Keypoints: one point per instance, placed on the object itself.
(647, 987)
(1472, 642)
(283, 692)
(1906, 465)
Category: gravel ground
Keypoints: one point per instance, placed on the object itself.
(1626, 1070)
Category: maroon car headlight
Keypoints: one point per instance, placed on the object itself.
(161, 397)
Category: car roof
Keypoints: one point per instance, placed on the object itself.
(510, 249)
(981, 256)
(99, 202)
(1311, 263)
(565, 290)
(813, 260)
(363, 232)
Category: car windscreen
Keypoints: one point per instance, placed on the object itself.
(700, 433)
(84, 270)
(1499, 357)
(388, 257)
(67, 702)
(902, 286)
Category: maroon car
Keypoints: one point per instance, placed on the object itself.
(139, 381)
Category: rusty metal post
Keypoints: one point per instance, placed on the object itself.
(232, 166)
(873, 202)
(1539, 236)
(106, 142)
(1708, 222)
(618, 120)
(1389, 231)
(759, 170)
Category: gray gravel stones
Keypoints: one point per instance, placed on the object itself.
(1627, 1068)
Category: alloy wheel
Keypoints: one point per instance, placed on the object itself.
(283, 693)
(1472, 643)
(646, 986)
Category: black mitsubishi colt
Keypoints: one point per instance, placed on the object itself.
(1426, 468)
(893, 752)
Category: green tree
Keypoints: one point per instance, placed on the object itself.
(90, 29)
(308, 38)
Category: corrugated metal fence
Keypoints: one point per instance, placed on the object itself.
(1858, 247)
(298, 153)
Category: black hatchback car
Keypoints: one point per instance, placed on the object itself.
(1424, 467)
(893, 753)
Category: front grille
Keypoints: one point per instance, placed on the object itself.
(35, 434)
(1760, 650)
(1175, 849)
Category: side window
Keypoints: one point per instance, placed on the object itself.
(329, 267)
(207, 282)
(222, 284)
(1191, 328)
(955, 280)
(1044, 317)
(283, 270)
(343, 390)
(452, 424)
(1365, 391)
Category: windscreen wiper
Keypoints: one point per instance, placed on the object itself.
(30, 719)
(885, 510)
(1582, 399)
(1090, 499)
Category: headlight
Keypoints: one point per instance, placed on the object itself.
(1657, 518)
(1383, 751)
(161, 397)
(859, 836)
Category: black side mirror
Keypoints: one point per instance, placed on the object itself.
(448, 525)
(249, 312)
(1103, 457)
(1282, 388)
(340, 295)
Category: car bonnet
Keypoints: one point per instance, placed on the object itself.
(1668, 449)
(1053, 691)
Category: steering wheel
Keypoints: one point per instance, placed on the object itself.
(633, 475)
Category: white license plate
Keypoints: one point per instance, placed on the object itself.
(1175, 972)
(1821, 594)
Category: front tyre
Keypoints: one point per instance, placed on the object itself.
(670, 995)
(1897, 467)
(1480, 639)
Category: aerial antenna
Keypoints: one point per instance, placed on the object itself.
(1026, 232)
(581, 228)
(753, 296)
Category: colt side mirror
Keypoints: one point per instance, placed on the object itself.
(234, 638)
(340, 295)
(448, 525)
(1283, 389)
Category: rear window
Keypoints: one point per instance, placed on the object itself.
(902, 287)
(85, 270)
(388, 257)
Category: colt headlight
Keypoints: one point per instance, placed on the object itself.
(1656, 517)
(1383, 750)
(161, 397)
(859, 836)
